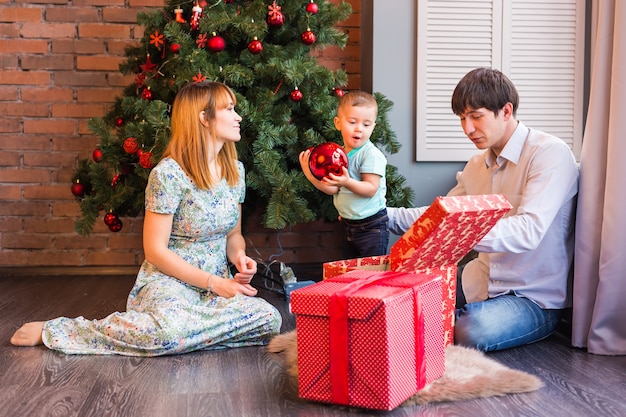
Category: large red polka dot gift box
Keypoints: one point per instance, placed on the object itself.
(369, 339)
(435, 243)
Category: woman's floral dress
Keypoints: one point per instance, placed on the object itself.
(164, 315)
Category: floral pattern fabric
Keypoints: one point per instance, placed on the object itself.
(165, 315)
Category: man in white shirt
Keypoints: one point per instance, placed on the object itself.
(514, 292)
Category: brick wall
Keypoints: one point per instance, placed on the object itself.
(59, 67)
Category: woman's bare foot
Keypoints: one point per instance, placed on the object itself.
(28, 335)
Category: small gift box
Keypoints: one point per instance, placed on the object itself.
(435, 243)
(369, 338)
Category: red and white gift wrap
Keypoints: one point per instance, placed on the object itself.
(435, 243)
(369, 339)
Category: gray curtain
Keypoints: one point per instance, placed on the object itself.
(599, 288)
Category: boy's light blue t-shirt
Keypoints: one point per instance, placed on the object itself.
(367, 159)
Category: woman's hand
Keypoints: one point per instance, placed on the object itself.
(246, 268)
(227, 288)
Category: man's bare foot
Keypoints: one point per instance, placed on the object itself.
(29, 334)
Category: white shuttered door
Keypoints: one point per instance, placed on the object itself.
(538, 44)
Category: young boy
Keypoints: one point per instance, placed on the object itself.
(359, 192)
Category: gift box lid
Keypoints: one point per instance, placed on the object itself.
(384, 287)
(447, 231)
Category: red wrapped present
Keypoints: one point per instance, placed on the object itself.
(435, 243)
(368, 338)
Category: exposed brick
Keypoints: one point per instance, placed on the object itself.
(118, 47)
(10, 225)
(46, 95)
(48, 159)
(98, 95)
(7, 62)
(147, 3)
(48, 226)
(90, 3)
(10, 125)
(9, 93)
(23, 46)
(71, 14)
(48, 62)
(25, 78)
(18, 208)
(111, 258)
(98, 31)
(48, 192)
(10, 192)
(20, 175)
(98, 63)
(121, 14)
(78, 46)
(24, 109)
(26, 241)
(24, 143)
(10, 159)
(71, 78)
(73, 242)
(42, 258)
(119, 241)
(73, 110)
(65, 209)
(49, 126)
(120, 80)
(48, 30)
(21, 14)
(9, 30)
(13, 258)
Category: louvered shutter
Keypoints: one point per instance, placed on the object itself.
(538, 44)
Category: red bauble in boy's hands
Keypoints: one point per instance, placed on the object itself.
(327, 158)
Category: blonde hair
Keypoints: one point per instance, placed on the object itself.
(357, 98)
(191, 142)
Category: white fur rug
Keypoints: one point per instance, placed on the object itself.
(469, 374)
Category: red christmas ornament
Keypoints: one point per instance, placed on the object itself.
(115, 180)
(216, 43)
(145, 159)
(97, 155)
(148, 67)
(339, 92)
(78, 189)
(312, 7)
(296, 95)
(327, 158)
(175, 48)
(119, 122)
(196, 14)
(308, 37)
(116, 227)
(131, 145)
(255, 46)
(179, 15)
(275, 18)
(111, 218)
(146, 94)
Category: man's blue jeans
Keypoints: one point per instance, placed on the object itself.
(503, 322)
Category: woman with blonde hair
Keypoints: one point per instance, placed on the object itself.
(185, 297)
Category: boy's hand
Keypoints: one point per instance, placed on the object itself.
(337, 180)
(304, 160)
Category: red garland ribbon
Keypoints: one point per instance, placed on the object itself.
(338, 342)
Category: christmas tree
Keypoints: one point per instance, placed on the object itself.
(263, 51)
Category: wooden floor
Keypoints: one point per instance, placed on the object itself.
(242, 382)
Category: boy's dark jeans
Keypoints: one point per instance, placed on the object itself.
(366, 237)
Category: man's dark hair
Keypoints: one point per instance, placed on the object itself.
(484, 87)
